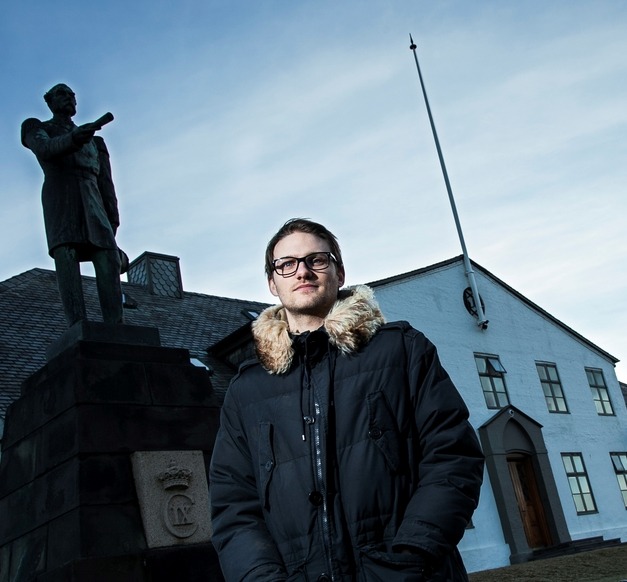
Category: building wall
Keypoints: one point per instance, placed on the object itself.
(520, 335)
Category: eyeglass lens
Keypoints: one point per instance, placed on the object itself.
(314, 261)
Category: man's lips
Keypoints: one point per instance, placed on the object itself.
(305, 287)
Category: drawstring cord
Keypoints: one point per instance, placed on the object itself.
(303, 354)
(303, 376)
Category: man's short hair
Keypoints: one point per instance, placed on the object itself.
(48, 95)
(307, 226)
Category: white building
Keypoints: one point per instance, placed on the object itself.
(546, 404)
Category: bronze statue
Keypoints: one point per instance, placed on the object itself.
(79, 203)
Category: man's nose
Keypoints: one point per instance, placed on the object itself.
(303, 270)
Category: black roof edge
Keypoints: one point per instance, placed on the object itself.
(236, 338)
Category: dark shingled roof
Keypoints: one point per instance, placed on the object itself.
(31, 317)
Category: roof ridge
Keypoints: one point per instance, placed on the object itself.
(22, 278)
(199, 294)
(414, 272)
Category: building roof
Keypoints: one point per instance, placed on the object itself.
(459, 259)
(31, 318)
(214, 329)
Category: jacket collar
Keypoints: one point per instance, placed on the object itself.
(352, 321)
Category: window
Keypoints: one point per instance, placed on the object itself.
(579, 484)
(552, 387)
(600, 394)
(492, 377)
(619, 460)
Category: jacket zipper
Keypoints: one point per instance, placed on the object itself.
(318, 471)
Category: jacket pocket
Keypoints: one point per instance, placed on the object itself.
(381, 566)
(383, 429)
(266, 462)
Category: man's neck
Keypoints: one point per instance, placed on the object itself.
(62, 119)
(300, 323)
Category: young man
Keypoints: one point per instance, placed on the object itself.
(344, 451)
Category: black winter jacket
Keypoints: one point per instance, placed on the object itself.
(340, 448)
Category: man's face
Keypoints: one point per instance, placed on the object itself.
(62, 101)
(306, 292)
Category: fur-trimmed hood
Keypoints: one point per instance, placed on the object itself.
(352, 321)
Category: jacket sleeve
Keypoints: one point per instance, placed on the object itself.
(35, 138)
(450, 465)
(244, 545)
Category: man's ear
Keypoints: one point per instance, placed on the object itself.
(341, 276)
(272, 286)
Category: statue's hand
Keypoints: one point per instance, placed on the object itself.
(83, 133)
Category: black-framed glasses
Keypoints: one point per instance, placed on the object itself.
(287, 266)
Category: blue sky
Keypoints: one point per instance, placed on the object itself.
(233, 116)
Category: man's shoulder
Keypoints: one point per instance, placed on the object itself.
(404, 332)
(400, 327)
(31, 122)
(247, 368)
(29, 125)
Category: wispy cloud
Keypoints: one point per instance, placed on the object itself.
(234, 116)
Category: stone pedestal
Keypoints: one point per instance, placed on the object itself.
(68, 503)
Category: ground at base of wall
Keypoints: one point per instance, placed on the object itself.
(606, 565)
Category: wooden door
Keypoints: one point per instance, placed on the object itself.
(529, 502)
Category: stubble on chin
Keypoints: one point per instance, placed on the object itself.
(311, 305)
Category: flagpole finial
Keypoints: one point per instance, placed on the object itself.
(412, 46)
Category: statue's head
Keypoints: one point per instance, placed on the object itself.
(61, 99)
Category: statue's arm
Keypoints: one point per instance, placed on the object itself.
(35, 138)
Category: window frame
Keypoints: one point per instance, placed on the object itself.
(621, 472)
(598, 390)
(493, 369)
(551, 384)
(578, 476)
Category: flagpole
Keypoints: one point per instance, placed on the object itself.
(482, 322)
